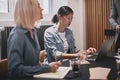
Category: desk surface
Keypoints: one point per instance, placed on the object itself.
(107, 63)
(84, 70)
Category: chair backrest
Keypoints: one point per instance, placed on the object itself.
(109, 32)
(3, 67)
(42, 56)
(41, 31)
(4, 36)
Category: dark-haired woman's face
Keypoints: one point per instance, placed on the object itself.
(67, 19)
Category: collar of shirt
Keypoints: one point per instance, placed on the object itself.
(24, 30)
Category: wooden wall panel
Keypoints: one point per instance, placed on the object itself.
(97, 20)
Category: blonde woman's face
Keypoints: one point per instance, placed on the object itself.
(41, 9)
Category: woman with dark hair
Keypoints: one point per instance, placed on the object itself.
(58, 39)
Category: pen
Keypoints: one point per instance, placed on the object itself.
(55, 58)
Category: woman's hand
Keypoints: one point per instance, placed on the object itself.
(79, 53)
(54, 66)
(90, 50)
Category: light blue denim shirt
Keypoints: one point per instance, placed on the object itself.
(23, 54)
(54, 45)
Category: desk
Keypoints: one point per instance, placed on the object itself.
(107, 63)
(84, 70)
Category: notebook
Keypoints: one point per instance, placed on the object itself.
(59, 74)
(99, 73)
(102, 53)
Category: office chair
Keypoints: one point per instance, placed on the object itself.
(3, 67)
(109, 32)
(41, 31)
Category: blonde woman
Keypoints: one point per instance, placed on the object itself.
(23, 47)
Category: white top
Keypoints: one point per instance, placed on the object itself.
(62, 35)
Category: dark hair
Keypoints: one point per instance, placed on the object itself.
(62, 11)
(55, 19)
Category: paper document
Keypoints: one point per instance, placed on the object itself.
(84, 62)
(99, 73)
(59, 74)
(117, 57)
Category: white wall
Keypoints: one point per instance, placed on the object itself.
(7, 18)
(56, 4)
(78, 23)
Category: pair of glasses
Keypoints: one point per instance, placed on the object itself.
(68, 17)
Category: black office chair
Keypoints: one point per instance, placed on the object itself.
(4, 36)
(109, 32)
(41, 31)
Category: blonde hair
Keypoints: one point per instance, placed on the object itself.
(26, 13)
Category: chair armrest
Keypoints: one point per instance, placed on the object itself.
(42, 56)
